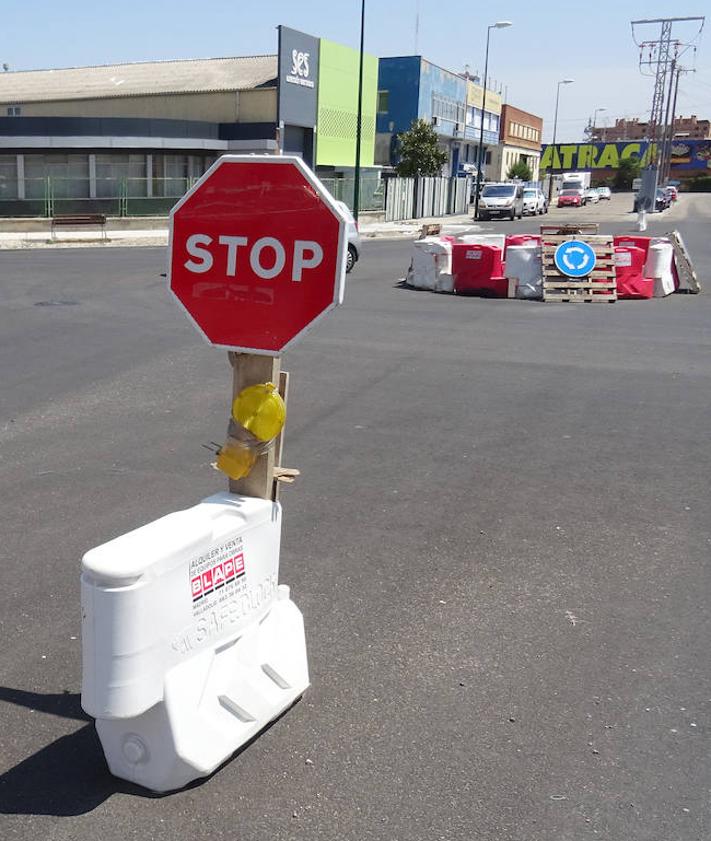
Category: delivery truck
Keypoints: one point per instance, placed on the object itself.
(575, 181)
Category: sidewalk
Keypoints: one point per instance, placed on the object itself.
(40, 235)
(78, 239)
(411, 228)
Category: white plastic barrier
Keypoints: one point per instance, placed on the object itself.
(458, 229)
(524, 269)
(498, 240)
(659, 266)
(190, 647)
(444, 283)
(431, 258)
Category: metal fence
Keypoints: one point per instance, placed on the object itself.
(418, 198)
(398, 198)
(51, 196)
(372, 191)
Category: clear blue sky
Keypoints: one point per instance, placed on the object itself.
(590, 42)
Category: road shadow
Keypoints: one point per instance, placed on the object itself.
(63, 704)
(70, 777)
(465, 293)
(403, 284)
(66, 778)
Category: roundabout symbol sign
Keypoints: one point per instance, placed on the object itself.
(574, 258)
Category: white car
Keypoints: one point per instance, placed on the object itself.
(591, 195)
(353, 237)
(534, 202)
(604, 193)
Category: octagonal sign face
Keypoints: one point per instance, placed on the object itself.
(257, 252)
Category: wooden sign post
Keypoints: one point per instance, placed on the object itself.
(266, 475)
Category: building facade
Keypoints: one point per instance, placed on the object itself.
(684, 127)
(520, 140)
(411, 88)
(137, 135)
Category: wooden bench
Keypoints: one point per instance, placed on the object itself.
(71, 220)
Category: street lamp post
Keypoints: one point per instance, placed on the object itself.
(594, 121)
(501, 24)
(555, 130)
(359, 119)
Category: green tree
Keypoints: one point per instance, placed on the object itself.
(627, 171)
(419, 151)
(520, 170)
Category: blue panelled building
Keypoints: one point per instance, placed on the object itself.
(410, 88)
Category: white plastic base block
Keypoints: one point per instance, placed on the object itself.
(189, 645)
(213, 704)
(659, 266)
(430, 258)
(525, 268)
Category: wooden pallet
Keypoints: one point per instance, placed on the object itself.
(579, 291)
(430, 229)
(597, 242)
(587, 228)
(599, 287)
(685, 268)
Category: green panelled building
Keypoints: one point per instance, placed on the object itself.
(338, 107)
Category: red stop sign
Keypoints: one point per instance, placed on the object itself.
(257, 252)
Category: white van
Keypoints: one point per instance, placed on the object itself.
(501, 200)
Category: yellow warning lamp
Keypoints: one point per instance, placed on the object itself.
(260, 410)
(235, 458)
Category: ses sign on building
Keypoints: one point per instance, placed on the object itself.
(298, 91)
(300, 70)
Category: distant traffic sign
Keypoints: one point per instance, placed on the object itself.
(574, 258)
(257, 252)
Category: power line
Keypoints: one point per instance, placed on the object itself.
(659, 58)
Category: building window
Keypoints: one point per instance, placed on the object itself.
(14, 111)
(121, 174)
(383, 102)
(68, 176)
(8, 177)
(448, 109)
(170, 175)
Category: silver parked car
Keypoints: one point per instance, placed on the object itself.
(604, 193)
(353, 237)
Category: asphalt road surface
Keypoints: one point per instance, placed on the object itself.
(499, 541)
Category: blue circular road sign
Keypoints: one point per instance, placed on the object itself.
(574, 258)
